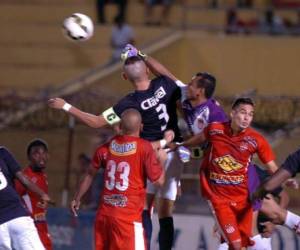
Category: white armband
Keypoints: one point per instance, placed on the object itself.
(67, 107)
(110, 116)
(180, 83)
(163, 143)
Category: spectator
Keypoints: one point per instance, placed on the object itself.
(122, 34)
(166, 8)
(122, 6)
(272, 24)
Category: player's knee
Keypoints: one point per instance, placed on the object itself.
(165, 208)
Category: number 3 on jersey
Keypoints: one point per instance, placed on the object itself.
(163, 114)
(117, 175)
(3, 181)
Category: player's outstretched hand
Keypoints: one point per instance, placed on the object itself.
(169, 136)
(292, 183)
(74, 206)
(56, 103)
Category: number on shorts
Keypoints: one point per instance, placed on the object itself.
(117, 175)
(3, 181)
(163, 114)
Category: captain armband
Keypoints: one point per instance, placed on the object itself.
(110, 116)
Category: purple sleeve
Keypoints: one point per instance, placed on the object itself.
(217, 114)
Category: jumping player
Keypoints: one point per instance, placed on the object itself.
(37, 153)
(17, 230)
(156, 100)
(224, 174)
(127, 161)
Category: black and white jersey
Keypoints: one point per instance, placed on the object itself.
(157, 106)
(292, 163)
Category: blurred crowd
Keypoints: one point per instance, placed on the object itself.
(269, 22)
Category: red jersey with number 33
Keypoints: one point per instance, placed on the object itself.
(128, 162)
(228, 160)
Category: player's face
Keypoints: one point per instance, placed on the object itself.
(38, 157)
(242, 116)
(193, 91)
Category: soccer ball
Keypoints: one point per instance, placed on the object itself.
(78, 27)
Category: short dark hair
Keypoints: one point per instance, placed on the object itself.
(208, 82)
(242, 100)
(36, 143)
(132, 60)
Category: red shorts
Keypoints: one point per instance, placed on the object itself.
(44, 235)
(116, 234)
(234, 221)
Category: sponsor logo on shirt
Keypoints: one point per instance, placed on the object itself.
(250, 140)
(116, 200)
(154, 100)
(227, 163)
(122, 149)
(216, 132)
(226, 179)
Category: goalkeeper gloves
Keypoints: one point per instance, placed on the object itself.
(130, 51)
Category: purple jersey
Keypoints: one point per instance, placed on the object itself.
(197, 118)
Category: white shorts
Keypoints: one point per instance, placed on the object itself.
(20, 234)
(173, 168)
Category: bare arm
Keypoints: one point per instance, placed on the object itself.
(83, 188)
(277, 179)
(94, 121)
(195, 140)
(272, 167)
(160, 181)
(284, 199)
(158, 69)
(32, 187)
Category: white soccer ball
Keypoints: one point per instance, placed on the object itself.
(78, 27)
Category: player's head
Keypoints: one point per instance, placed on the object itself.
(242, 113)
(131, 122)
(37, 153)
(202, 85)
(135, 69)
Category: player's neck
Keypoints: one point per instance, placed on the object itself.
(236, 130)
(137, 134)
(142, 85)
(198, 101)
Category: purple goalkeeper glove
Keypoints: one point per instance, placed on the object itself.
(130, 51)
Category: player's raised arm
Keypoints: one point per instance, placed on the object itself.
(94, 121)
(154, 65)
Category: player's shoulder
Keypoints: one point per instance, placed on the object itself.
(4, 151)
(254, 133)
